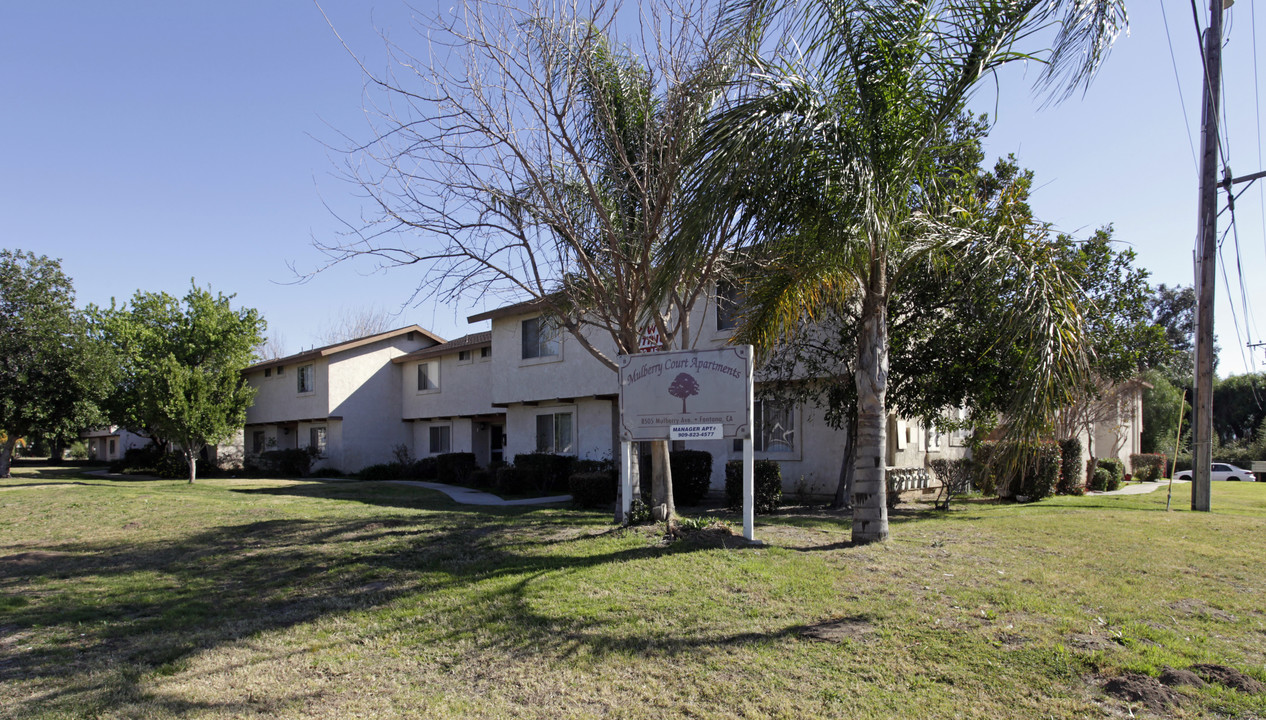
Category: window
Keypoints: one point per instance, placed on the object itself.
(485, 353)
(268, 372)
(305, 378)
(257, 442)
(316, 440)
(727, 306)
(553, 433)
(112, 446)
(540, 339)
(775, 430)
(463, 356)
(428, 376)
(281, 370)
(441, 438)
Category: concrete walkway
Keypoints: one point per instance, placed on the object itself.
(469, 496)
(1139, 488)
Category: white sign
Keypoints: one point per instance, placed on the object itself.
(649, 340)
(696, 432)
(685, 387)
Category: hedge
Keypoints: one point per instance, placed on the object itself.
(1148, 467)
(594, 489)
(545, 472)
(768, 480)
(456, 468)
(692, 475)
(1071, 478)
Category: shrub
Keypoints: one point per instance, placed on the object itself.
(425, 469)
(381, 472)
(768, 478)
(545, 472)
(174, 466)
(1035, 476)
(511, 480)
(1117, 468)
(482, 478)
(593, 489)
(294, 462)
(692, 475)
(955, 477)
(1071, 479)
(78, 450)
(1101, 480)
(1148, 467)
(138, 459)
(455, 468)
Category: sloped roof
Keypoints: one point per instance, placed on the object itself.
(465, 342)
(521, 308)
(339, 347)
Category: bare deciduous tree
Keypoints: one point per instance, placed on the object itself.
(354, 322)
(538, 152)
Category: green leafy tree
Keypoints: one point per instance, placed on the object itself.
(828, 155)
(1239, 406)
(181, 366)
(51, 373)
(1173, 309)
(1162, 403)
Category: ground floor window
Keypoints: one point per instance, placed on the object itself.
(317, 441)
(257, 442)
(775, 430)
(441, 439)
(554, 433)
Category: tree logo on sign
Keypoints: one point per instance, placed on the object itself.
(683, 387)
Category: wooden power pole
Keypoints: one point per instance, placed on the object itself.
(1206, 263)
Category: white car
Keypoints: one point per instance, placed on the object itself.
(1222, 471)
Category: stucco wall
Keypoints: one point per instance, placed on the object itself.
(464, 388)
(573, 373)
(277, 398)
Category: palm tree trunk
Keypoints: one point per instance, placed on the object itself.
(870, 506)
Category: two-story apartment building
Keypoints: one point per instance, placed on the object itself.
(342, 399)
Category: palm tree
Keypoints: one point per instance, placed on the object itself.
(827, 155)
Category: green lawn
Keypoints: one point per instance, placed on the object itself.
(256, 598)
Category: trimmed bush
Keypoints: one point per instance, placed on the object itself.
(455, 468)
(593, 489)
(1035, 477)
(768, 477)
(428, 468)
(1147, 467)
(1117, 468)
(138, 459)
(381, 472)
(545, 472)
(174, 466)
(294, 462)
(512, 481)
(483, 478)
(692, 475)
(1101, 480)
(1071, 479)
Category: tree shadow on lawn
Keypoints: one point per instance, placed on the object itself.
(97, 620)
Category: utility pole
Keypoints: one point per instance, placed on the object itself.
(1206, 262)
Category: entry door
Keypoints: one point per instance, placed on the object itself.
(495, 443)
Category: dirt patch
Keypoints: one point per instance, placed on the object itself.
(1192, 606)
(1174, 678)
(839, 630)
(1229, 677)
(1143, 689)
(132, 526)
(1083, 641)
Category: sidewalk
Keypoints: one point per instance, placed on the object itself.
(1139, 488)
(468, 496)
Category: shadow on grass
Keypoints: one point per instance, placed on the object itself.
(98, 621)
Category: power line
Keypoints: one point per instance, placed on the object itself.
(1182, 102)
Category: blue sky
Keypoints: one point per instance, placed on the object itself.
(153, 142)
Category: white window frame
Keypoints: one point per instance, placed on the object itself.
(555, 432)
(307, 372)
(485, 353)
(788, 448)
(428, 377)
(443, 433)
(469, 357)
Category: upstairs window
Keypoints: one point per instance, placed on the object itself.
(428, 376)
(540, 338)
(281, 370)
(268, 372)
(305, 378)
(485, 352)
(727, 307)
(463, 356)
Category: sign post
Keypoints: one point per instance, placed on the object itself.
(689, 395)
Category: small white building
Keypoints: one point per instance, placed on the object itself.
(109, 443)
(343, 400)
